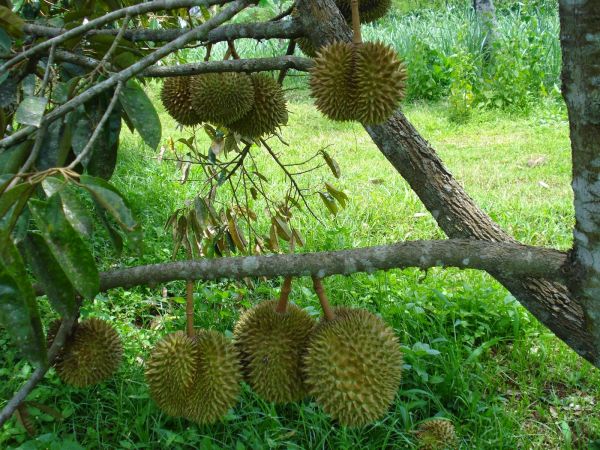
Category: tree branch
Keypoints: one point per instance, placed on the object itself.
(59, 341)
(135, 10)
(283, 29)
(197, 33)
(511, 259)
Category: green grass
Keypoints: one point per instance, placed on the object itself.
(471, 352)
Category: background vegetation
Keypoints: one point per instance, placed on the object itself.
(472, 353)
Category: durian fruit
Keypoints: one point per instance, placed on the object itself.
(353, 366)
(362, 82)
(91, 354)
(216, 384)
(436, 434)
(176, 98)
(307, 47)
(271, 345)
(370, 10)
(268, 112)
(171, 371)
(222, 98)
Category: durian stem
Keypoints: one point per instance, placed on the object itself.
(357, 38)
(189, 308)
(286, 288)
(325, 306)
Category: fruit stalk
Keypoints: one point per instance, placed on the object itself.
(325, 306)
(286, 288)
(357, 38)
(189, 308)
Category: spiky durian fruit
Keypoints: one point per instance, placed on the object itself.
(216, 384)
(268, 112)
(363, 82)
(436, 434)
(176, 98)
(307, 47)
(91, 355)
(222, 98)
(170, 372)
(370, 10)
(271, 345)
(353, 366)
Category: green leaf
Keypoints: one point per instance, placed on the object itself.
(340, 196)
(14, 157)
(10, 197)
(5, 42)
(333, 165)
(49, 274)
(18, 306)
(141, 113)
(31, 110)
(66, 246)
(75, 211)
(329, 202)
(111, 200)
(11, 22)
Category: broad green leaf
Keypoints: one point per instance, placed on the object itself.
(11, 22)
(111, 200)
(49, 274)
(329, 202)
(115, 237)
(66, 246)
(5, 42)
(340, 196)
(31, 110)
(10, 197)
(283, 230)
(104, 155)
(75, 211)
(18, 306)
(332, 163)
(13, 158)
(142, 113)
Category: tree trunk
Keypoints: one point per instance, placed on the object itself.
(453, 209)
(486, 14)
(580, 42)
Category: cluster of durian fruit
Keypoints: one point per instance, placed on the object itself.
(251, 105)
(351, 364)
(356, 81)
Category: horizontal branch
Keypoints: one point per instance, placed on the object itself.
(283, 29)
(508, 258)
(232, 65)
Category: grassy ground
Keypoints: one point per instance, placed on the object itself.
(471, 352)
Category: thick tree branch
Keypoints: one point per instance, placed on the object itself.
(580, 29)
(511, 259)
(197, 33)
(231, 65)
(455, 212)
(283, 29)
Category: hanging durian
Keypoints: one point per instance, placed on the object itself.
(91, 354)
(436, 434)
(268, 112)
(356, 81)
(216, 383)
(171, 371)
(370, 10)
(271, 338)
(176, 98)
(222, 98)
(353, 364)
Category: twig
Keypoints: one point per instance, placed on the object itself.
(131, 71)
(65, 328)
(325, 306)
(90, 144)
(289, 52)
(284, 13)
(286, 288)
(189, 307)
(112, 48)
(134, 10)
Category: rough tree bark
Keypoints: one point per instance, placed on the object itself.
(486, 14)
(455, 212)
(580, 39)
